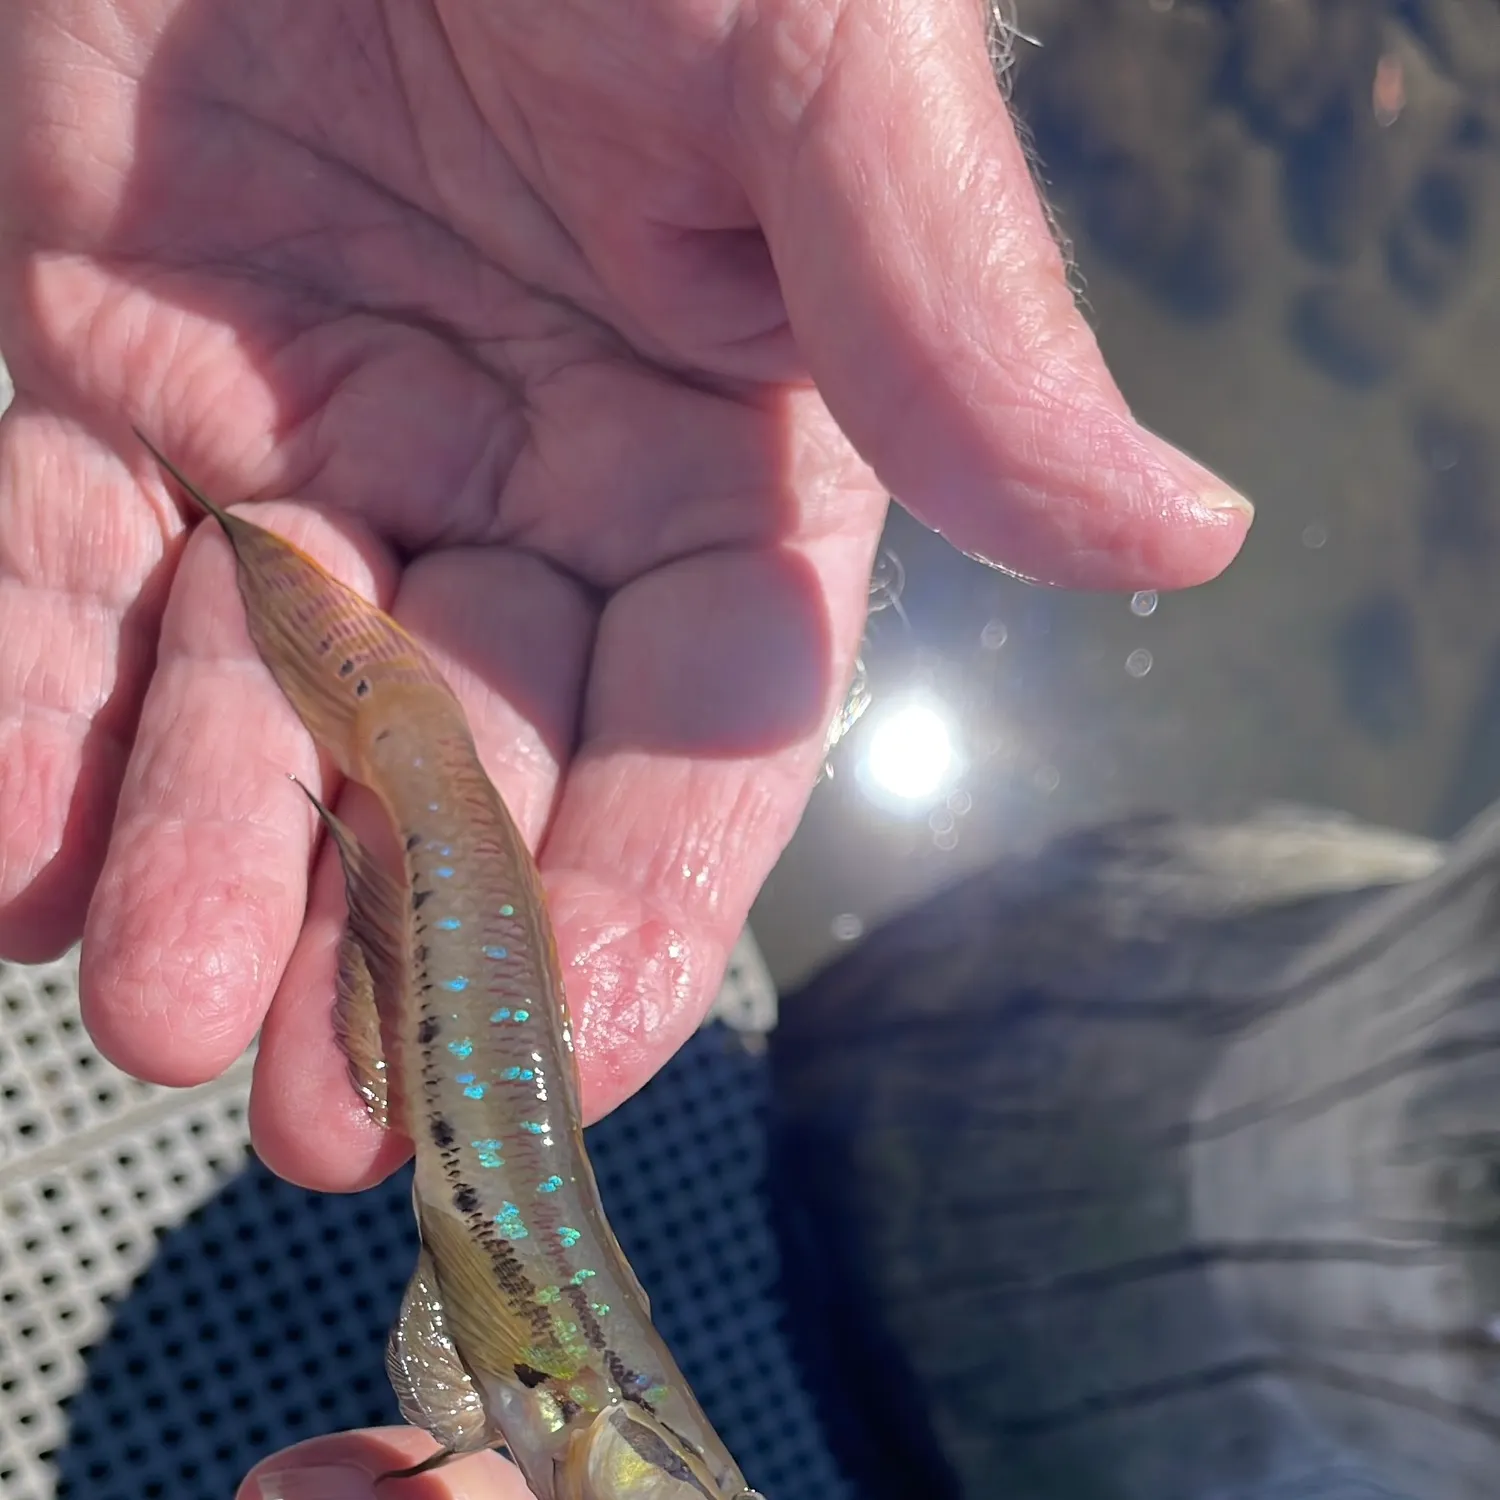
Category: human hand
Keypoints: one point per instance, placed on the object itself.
(345, 1465)
(535, 309)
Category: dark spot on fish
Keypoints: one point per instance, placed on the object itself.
(442, 1133)
(419, 953)
(654, 1451)
(346, 666)
(629, 1384)
(412, 839)
(417, 898)
(529, 1377)
(324, 644)
(384, 734)
(362, 688)
(579, 1297)
(568, 1409)
(427, 1029)
(465, 1199)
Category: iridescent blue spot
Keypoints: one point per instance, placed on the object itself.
(508, 1074)
(507, 910)
(489, 1152)
(532, 1128)
(475, 1091)
(446, 851)
(503, 1014)
(508, 1222)
(497, 952)
(464, 1078)
(579, 1277)
(448, 924)
(523, 1015)
(601, 1309)
(460, 983)
(461, 1048)
(432, 807)
(443, 872)
(551, 1185)
(569, 1237)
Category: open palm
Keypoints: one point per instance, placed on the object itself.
(589, 339)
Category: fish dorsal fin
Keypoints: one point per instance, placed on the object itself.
(431, 1384)
(496, 1321)
(370, 968)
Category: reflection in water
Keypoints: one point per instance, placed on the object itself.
(909, 755)
(1159, 1167)
(1116, 1182)
(1283, 221)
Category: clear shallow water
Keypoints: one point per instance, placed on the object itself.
(1249, 222)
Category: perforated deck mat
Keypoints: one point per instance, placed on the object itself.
(169, 1311)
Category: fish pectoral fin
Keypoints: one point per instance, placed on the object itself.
(491, 1313)
(431, 1384)
(369, 972)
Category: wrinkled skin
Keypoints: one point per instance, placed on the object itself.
(345, 1465)
(589, 339)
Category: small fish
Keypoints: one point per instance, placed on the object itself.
(523, 1324)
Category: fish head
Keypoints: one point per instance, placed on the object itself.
(625, 1453)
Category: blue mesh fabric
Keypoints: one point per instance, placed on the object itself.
(262, 1319)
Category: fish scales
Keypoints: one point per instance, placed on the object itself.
(524, 1324)
(489, 1043)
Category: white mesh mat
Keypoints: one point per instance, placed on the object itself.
(169, 1310)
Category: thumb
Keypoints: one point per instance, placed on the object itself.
(347, 1466)
(930, 304)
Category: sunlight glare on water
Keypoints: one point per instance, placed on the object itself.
(910, 756)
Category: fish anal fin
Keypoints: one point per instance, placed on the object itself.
(490, 1323)
(370, 969)
(431, 1384)
(356, 1026)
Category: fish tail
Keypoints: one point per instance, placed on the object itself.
(333, 653)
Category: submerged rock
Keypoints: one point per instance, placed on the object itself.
(1164, 1165)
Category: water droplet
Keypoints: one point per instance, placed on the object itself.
(960, 804)
(994, 635)
(1139, 662)
(946, 840)
(1143, 603)
(847, 928)
(940, 820)
(1314, 536)
(1047, 778)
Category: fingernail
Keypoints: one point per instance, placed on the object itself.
(1227, 499)
(317, 1482)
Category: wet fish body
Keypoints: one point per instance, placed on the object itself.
(523, 1323)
